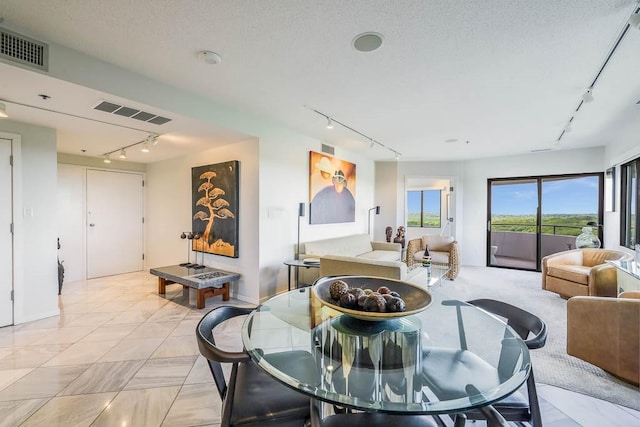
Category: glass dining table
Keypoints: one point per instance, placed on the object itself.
(449, 358)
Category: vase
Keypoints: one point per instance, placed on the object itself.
(587, 239)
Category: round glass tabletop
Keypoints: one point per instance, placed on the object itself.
(448, 358)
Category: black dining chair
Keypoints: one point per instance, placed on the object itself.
(251, 397)
(520, 406)
(370, 419)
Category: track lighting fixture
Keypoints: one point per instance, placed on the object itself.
(152, 138)
(588, 95)
(568, 127)
(3, 110)
(329, 123)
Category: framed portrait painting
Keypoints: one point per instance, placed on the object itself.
(332, 189)
(215, 199)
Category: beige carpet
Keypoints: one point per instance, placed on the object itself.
(551, 363)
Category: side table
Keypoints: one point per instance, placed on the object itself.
(297, 263)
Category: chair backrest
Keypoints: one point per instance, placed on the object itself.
(207, 345)
(523, 322)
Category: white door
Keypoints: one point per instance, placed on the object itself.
(6, 237)
(114, 223)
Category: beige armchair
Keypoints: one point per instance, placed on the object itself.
(581, 272)
(605, 332)
(444, 251)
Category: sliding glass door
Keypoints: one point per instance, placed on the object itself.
(529, 218)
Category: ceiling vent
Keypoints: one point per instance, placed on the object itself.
(24, 50)
(134, 113)
(328, 149)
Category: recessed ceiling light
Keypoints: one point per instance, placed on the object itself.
(367, 42)
(209, 57)
(451, 140)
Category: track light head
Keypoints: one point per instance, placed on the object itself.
(329, 123)
(588, 95)
(123, 154)
(3, 110)
(634, 20)
(568, 127)
(107, 158)
(145, 147)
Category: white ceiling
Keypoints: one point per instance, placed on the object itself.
(504, 75)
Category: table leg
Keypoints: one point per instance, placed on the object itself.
(162, 286)
(225, 291)
(185, 292)
(289, 276)
(297, 277)
(200, 298)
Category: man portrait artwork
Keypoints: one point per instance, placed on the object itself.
(332, 188)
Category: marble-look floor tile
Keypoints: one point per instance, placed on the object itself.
(146, 408)
(196, 404)
(587, 411)
(32, 356)
(42, 382)
(9, 376)
(162, 372)
(69, 334)
(200, 372)
(20, 338)
(4, 352)
(82, 352)
(185, 327)
(137, 316)
(93, 318)
(110, 333)
(102, 377)
(132, 349)
(70, 411)
(13, 413)
(177, 346)
(153, 330)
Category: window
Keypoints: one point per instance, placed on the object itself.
(424, 208)
(629, 217)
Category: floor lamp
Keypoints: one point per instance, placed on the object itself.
(377, 209)
(300, 215)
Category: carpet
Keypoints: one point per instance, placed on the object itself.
(552, 365)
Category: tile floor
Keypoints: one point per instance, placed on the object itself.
(120, 355)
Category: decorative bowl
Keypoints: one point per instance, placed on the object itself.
(416, 298)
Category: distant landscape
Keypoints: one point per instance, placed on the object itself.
(431, 219)
(559, 224)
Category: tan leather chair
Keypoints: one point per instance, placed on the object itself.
(581, 272)
(605, 333)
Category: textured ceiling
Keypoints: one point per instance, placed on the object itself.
(504, 75)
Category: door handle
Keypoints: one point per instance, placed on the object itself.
(92, 225)
(489, 225)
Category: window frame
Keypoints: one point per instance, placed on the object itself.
(422, 208)
(627, 238)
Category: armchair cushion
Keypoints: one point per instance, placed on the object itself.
(444, 250)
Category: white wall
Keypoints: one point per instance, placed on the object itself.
(168, 201)
(284, 183)
(36, 285)
(469, 179)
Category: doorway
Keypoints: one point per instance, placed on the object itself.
(530, 218)
(115, 222)
(6, 235)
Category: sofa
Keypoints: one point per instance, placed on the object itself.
(444, 251)
(335, 265)
(605, 332)
(581, 272)
(356, 247)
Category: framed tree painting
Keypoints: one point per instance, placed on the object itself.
(215, 208)
(332, 189)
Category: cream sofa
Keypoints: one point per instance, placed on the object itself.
(333, 265)
(356, 247)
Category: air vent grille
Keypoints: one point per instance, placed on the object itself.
(134, 113)
(328, 149)
(23, 50)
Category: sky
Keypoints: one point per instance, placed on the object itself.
(431, 201)
(566, 196)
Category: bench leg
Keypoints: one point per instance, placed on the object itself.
(200, 298)
(162, 286)
(225, 291)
